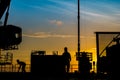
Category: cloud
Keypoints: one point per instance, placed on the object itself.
(48, 35)
(59, 7)
(64, 7)
(94, 14)
(56, 22)
(68, 4)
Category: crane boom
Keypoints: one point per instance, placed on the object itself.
(10, 35)
(3, 6)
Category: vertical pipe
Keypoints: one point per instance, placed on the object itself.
(97, 46)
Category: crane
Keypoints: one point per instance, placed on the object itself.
(10, 35)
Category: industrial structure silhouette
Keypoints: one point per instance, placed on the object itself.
(43, 65)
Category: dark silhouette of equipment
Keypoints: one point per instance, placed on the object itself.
(84, 64)
(10, 35)
(108, 57)
(47, 65)
(106, 62)
(111, 57)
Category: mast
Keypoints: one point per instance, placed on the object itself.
(78, 26)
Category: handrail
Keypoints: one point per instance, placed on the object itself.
(14, 68)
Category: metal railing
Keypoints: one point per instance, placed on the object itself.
(14, 68)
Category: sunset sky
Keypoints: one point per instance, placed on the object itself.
(51, 25)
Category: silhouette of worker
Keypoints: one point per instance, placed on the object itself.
(22, 65)
(67, 58)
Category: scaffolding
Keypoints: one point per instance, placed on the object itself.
(5, 62)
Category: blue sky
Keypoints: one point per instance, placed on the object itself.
(52, 24)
